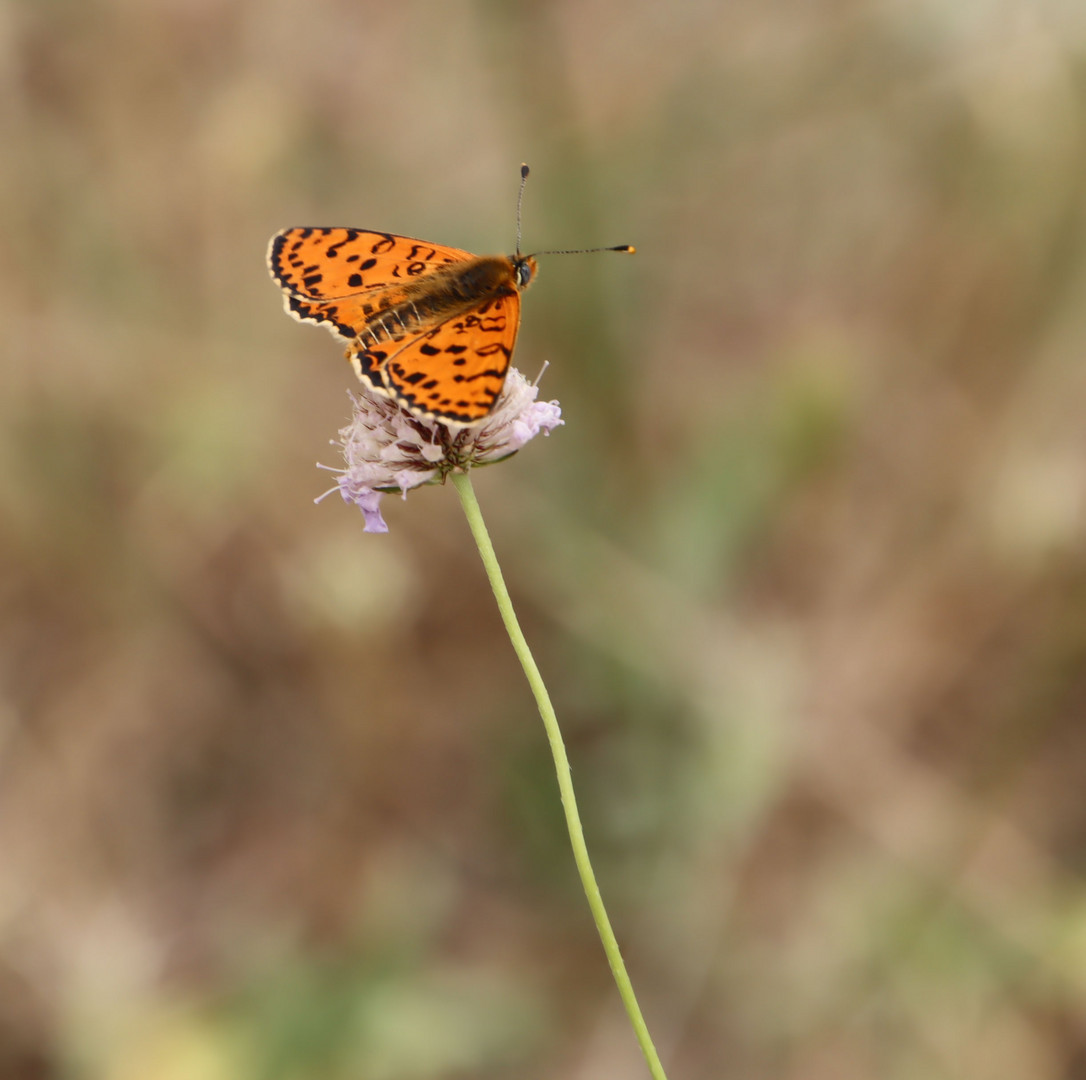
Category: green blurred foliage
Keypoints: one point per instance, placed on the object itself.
(805, 569)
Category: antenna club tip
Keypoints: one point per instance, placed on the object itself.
(629, 248)
(523, 171)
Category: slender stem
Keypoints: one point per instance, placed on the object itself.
(462, 483)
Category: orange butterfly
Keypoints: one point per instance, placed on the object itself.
(432, 327)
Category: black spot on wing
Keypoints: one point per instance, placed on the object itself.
(493, 348)
(333, 249)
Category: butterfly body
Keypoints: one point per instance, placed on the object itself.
(431, 326)
(445, 293)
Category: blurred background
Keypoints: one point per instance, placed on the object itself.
(805, 570)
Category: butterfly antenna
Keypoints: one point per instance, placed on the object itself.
(520, 199)
(629, 248)
(577, 251)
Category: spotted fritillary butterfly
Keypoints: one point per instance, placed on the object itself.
(432, 327)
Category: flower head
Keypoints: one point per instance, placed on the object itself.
(388, 449)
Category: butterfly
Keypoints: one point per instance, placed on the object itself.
(432, 327)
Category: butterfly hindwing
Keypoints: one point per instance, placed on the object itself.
(454, 372)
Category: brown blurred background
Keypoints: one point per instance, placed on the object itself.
(805, 569)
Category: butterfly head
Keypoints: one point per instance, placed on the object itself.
(523, 270)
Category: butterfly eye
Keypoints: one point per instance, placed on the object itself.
(524, 274)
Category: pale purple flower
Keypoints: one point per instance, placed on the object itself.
(387, 449)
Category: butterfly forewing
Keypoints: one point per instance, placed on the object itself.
(332, 276)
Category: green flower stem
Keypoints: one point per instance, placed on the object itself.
(462, 483)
